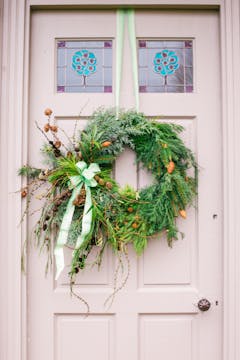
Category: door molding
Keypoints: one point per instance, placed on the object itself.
(13, 153)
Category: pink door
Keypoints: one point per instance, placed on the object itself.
(155, 316)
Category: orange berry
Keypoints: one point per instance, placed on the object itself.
(134, 225)
(106, 143)
(48, 112)
(183, 214)
(170, 167)
(46, 127)
(130, 209)
(24, 193)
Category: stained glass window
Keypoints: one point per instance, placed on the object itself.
(84, 66)
(165, 66)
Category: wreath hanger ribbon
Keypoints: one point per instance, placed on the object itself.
(86, 178)
(129, 13)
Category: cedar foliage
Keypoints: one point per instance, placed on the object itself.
(120, 216)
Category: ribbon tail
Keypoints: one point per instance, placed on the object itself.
(86, 220)
(63, 232)
(132, 39)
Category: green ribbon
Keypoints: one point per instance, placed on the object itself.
(119, 53)
(86, 178)
(133, 45)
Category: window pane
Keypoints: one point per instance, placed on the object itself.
(165, 66)
(84, 66)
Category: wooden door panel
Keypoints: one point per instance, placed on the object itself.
(95, 328)
(158, 333)
(155, 315)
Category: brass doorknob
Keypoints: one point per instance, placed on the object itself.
(204, 305)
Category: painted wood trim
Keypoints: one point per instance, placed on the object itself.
(230, 31)
(135, 3)
(1, 36)
(10, 149)
(13, 131)
(1, 252)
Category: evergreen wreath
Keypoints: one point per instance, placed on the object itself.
(114, 216)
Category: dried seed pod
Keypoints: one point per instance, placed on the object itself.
(170, 167)
(79, 155)
(57, 153)
(44, 227)
(83, 192)
(96, 177)
(47, 217)
(134, 225)
(183, 214)
(24, 193)
(47, 172)
(53, 128)
(58, 144)
(106, 143)
(76, 148)
(69, 154)
(99, 241)
(120, 246)
(46, 127)
(75, 202)
(48, 112)
(79, 200)
(55, 208)
(101, 182)
(109, 185)
(42, 176)
(130, 209)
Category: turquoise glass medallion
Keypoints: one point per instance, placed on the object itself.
(84, 63)
(166, 62)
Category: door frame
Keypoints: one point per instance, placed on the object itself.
(13, 152)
